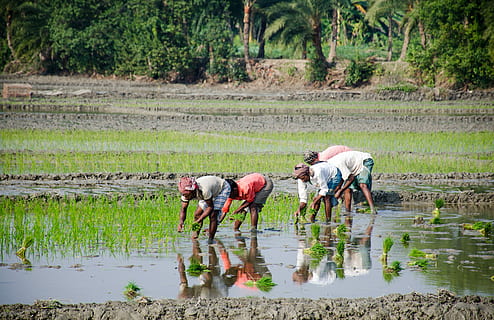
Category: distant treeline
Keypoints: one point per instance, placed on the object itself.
(193, 40)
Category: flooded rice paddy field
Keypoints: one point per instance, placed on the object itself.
(463, 261)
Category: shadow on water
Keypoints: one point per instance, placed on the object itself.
(463, 262)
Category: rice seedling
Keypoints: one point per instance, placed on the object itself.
(395, 266)
(81, 227)
(387, 244)
(316, 231)
(195, 269)
(131, 290)
(316, 251)
(172, 151)
(420, 263)
(405, 238)
(340, 250)
(416, 253)
(392, 271)
(196, 227)
(485, 228)
(264, 284)
(341, 231)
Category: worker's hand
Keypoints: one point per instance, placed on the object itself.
(180, 227)
(337, 194)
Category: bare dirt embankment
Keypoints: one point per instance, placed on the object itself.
(443, 305)
(40, 113)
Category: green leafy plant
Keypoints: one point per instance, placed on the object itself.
(483, 227)
(196, 227)
(131, 290)
(341, 231)
(416, 253)
(340, 250)
(358, 72)
(405, 238)
(195, 269)
(316, 251)
(316, 230)
(316, 70)
(264, 284)
(421, 263)
(439, 203)
(238, 216)
(26, 243)
(387, 244)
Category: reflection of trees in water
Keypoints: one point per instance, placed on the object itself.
(212, 282)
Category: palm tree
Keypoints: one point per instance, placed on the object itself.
(337, 6)
(387, 10)
(410, 20)
(296, 23)
(26, 29)
(248, 4)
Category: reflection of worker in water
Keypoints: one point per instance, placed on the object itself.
(252, 266)
(357, 260)
(211, 283)
(308, 270)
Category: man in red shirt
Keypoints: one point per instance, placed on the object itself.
(254, 189)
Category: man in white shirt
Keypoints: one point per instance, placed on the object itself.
(356, 168)
(326, 178)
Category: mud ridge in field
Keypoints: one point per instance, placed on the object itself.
(120, 184)
(443, 305)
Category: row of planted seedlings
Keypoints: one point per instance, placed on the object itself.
(241, 141)
(39, 151)
(281, 163)
(118, 224)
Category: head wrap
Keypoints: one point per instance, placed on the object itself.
(300, 169)
(187, 184)
(310, 156)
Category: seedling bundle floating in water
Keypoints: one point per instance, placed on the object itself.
(195, 269)
(131, 290)
(264, 284)
(387, 244)
(485, 228)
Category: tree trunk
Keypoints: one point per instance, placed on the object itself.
(406, 41)
(262, 41)
(334, 36)
(8, 30)
(316, 40)
(423, 38)
(247, 10)
(390, 38)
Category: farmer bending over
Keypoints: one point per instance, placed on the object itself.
(326, 178)
(254, 189)
(356, 169)
(211, 192)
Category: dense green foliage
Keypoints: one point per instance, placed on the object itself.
(191, 40)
